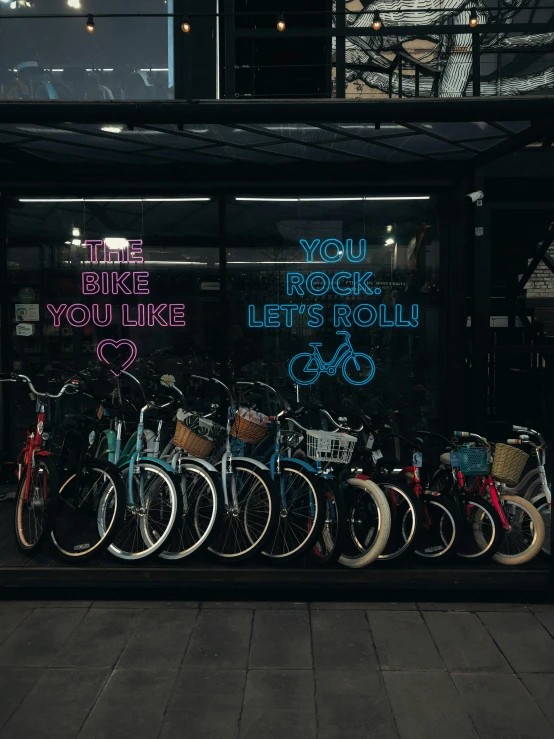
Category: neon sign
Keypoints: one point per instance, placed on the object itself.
(356, 367)
(149, 315)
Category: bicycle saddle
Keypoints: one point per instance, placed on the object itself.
(315, 343)
(445, 459)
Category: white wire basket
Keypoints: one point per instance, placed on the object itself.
(330, 446)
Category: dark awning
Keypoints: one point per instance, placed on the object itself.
(214, 134)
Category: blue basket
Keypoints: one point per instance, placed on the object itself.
(473, 460)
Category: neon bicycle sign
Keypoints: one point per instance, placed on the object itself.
(357, 368)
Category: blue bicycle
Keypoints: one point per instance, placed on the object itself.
(301, 491)
(357, 368)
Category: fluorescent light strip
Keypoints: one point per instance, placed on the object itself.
(327, 200)
(114, 200)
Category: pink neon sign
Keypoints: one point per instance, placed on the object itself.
(116, 344)
(78, 315)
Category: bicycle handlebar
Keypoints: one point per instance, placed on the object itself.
(217, 382)
(469, 435)
(340, 425)
(14, 377)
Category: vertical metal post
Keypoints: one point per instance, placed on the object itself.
(223, 297)
(476, 62)
(417, 82)
(480, 315)
(230, 42)
(399, 76)
(6, 321)
(340, 49)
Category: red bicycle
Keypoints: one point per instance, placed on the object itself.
(37, 490)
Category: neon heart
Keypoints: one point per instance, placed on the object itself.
(116, 344)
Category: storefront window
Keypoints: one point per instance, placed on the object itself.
(126, 58)
(112, 279)
(336, 299)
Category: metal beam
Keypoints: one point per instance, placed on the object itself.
(414, 30)
(522, 108)
(340, 51)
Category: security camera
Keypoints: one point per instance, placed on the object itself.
(476, 195)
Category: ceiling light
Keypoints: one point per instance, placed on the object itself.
(112, 127)
(76, 242)
(185, 25)
(473, 19)
(115, 243)
(389, 242)
(76, 231)
(74, 4)
(90, 24)
(281, 25)
(389, 229)
(377, 22)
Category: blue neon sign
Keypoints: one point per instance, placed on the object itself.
(356, 367)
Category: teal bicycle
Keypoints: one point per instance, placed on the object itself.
(154, 503)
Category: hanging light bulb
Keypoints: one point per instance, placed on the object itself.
(473, 19)
(90, 24)
(185, 25)
(377, 22)
(75, 232)
(281, 25)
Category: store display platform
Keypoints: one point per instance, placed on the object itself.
(204, 572)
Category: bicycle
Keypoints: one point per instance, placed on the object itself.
(37, 491)
(537, 491)
(367, 517)
(301, 493)
(357, 368)
(522, 524)
(88, 484)
(250, 501)
(154, 503)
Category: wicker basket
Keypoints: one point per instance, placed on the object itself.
(248, 431)
(195, 445)
(508, 464)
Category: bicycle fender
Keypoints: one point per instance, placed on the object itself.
(255, 462)
(300, 462)
(202, 462)
(154, 460)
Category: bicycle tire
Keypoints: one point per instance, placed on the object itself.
(329, 545)
(253, 533)
(43, 488)
(536, 532)
(302, 522)
(440, 534)
(406, 520)
(486, 546)
(194, 532)
(540, 501)
(365, 495)
(134, 526)
(76, 523)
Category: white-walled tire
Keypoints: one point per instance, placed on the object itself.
(368, 522)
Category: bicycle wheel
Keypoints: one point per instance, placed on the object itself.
(369, 522)
(541, 504)
(250, 515)
(148, 522)
(359, 369)
(526, 537)
(328, 547)
(440, 533)
(34, 517)
(481, 530)
(199, 492)
(301, 516)
(76, 533)
(406, 520)
(301, 372)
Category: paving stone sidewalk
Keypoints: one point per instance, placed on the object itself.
(149, 670)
